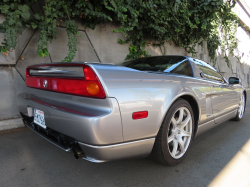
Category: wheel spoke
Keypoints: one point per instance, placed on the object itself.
(180, 116)
(181, 143)
(174, 122)
(241, 111)
(175, 143)
(185, 133)
(241, 103)
(171, 138)
(185, 122)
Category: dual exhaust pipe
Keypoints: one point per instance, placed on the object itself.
(77, 151)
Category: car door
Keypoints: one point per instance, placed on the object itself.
(224, 101)
(224, 97)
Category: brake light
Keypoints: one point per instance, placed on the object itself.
(140, 115)
(89, 86)
(89, 74)
(27, 73)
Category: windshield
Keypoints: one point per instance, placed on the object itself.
(167, 64)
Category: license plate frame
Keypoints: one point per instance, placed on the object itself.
(39, 118)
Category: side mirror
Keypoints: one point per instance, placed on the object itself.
(234, 80)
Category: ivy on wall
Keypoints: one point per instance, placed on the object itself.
(183, 22)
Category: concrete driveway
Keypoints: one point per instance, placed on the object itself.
(220, 157)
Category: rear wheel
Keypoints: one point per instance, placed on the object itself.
(175, 134)
(241, 109)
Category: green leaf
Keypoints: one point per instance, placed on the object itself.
(46, 53)
(26, 15)
(13, 6)
(2, 29)
(41, 54)
(34, 26)
(37, 16)
(23, 8)
(4, 9)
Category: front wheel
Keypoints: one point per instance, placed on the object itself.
(175, 134)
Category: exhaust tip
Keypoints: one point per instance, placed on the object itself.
(78, 153)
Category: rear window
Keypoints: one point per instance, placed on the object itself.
(168, 64)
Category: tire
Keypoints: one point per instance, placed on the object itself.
(242, 106)
(174, 131)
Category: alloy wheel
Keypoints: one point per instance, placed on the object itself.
(179, 132)
(241, 106)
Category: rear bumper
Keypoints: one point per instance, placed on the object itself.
(92, 121)
(97, 154)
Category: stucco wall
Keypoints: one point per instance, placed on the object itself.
(99, 45)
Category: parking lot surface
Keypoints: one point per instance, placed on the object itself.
(220, 157)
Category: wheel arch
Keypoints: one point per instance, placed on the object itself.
(190, 98)
(195, 107)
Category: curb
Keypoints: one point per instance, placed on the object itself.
(11, 124)
(10, 131)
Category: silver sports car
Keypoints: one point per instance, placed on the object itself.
(147, 107)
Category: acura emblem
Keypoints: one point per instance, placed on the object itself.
(45, 83)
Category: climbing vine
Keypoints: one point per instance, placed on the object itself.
(183, 22)
(223, 35)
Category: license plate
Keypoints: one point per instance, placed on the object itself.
(39, 118)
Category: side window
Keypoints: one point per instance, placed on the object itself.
(183, 68)
(208, 71)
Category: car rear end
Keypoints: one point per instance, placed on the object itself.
(67, 104)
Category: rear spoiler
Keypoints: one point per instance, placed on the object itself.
(57, 70)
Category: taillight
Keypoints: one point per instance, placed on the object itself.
(88, 73)
(27, 73)
(88, 86)
(93, 88)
